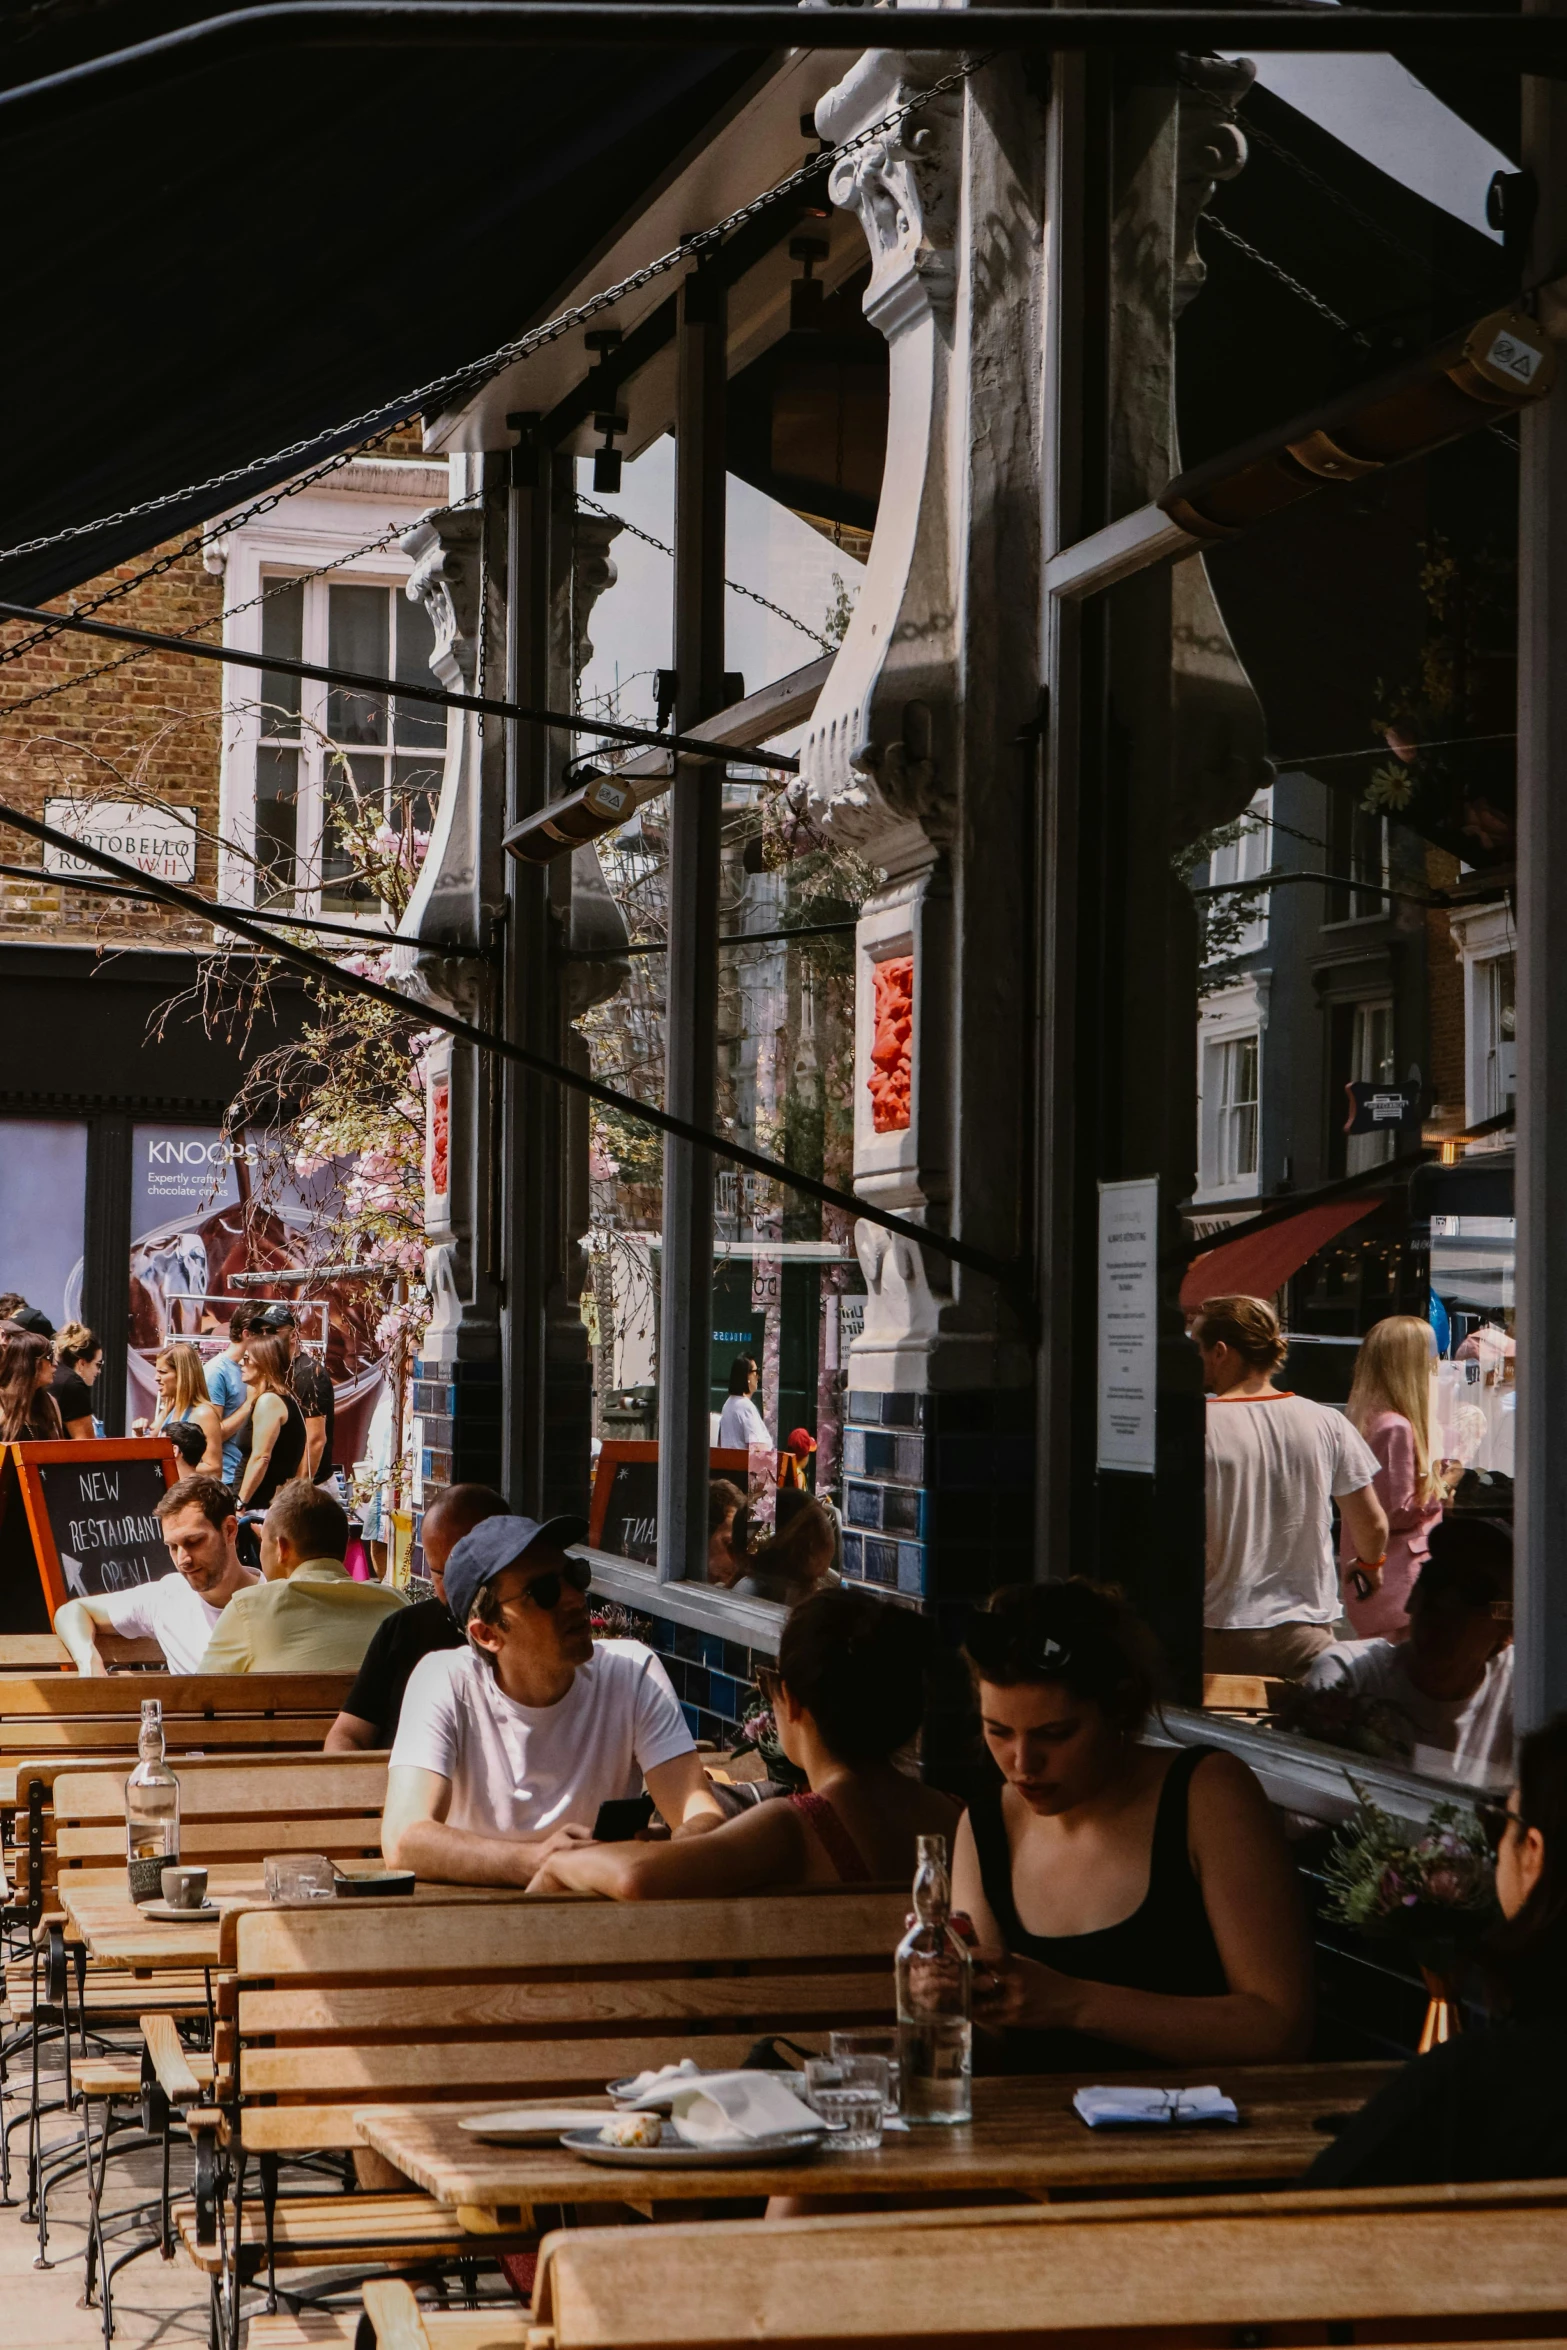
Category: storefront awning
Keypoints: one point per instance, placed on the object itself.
(1260, 1262)
(248, 254)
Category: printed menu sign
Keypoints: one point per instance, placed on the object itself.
(1128, 1324)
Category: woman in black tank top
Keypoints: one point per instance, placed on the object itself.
(1210, 1961)
(275, 1435)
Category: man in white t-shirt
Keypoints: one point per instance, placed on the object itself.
(506, 1747)
(178, 1610)
(1276, 1463)
(1443, 1698)
(740, 1424)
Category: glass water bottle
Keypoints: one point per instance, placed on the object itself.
(935, 1975)
(152, 1809)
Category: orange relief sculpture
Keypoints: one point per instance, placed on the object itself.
(892, 1050)
(440, 1138)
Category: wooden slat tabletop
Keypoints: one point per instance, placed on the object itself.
(104, 1916)
(1025, 2137)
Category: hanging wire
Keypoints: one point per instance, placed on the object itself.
(276, 587)
(1276, 270)
(469, 379)
(591, 506)
(197, 544)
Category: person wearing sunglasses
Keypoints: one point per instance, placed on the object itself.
(1491, 2104)
(847, 1696)
(507, 1746)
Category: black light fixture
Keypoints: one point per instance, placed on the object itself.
(1468, 382)
(807, 293)
(609, 420)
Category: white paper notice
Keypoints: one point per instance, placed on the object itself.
(1128, 1324)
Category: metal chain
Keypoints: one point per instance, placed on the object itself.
(195, 545)
(276, 587)
(1274, 270)
(1364, 220)
(591, 506)
(469, 379)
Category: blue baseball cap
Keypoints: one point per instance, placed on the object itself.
(496, 1543)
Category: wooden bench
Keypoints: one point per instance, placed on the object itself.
(82, 1714)
(46, 1652)
(1382, 2266)
(328, 2010)
(233, 1809)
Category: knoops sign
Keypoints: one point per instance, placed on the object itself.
(160, 842)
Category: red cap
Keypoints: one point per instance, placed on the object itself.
(800, 1440)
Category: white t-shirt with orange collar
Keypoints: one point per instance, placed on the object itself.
(1273, 1462)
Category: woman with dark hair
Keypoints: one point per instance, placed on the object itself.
(28, 1411)
(849, 1692)
(78, 1357)
(1132, 1901)
(1491, 2104)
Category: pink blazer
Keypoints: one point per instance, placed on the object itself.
(1409, 1522)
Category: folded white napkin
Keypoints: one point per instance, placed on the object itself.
(655, 2085)
(1109, 2108)
(726, 2108)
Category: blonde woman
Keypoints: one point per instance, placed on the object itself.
(1390, 1404)
(186, 1414)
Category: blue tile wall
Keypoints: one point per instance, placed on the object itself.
(937, 1492)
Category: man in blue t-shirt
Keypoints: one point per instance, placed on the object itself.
(227, 1390)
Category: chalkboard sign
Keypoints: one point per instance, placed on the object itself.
(623, 1515)
(77, 1521)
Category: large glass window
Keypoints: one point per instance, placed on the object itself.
(1311, 726)
(341, 776)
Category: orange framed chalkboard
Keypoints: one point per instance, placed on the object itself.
(623, 1514)
(76, 1521)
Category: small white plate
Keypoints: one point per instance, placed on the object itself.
(164, 1913)
(756, 2153)
(537, 2125)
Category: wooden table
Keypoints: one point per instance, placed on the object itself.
(104, 1917)
(1025, 2138)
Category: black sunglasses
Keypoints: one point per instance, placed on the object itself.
(545, 1589)
(1495, 1820)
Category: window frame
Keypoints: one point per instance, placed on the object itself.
(317, 529)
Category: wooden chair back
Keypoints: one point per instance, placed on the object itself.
(343, 2007)
(44, 1714)
(1379, 2267)
(46, 1652)
(233, 1810)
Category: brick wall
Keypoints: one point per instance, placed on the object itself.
(148, 728)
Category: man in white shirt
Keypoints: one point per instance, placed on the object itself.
(1276, 1463)
(178, 1610)
(740, 1424)
(1443, 1698)
(506, 1747)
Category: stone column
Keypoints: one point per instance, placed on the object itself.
(451, 924)
(913, 758)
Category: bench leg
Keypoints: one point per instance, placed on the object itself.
(269, 2172)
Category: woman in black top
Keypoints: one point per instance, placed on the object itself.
(28, 1412)
(78, 1358)
(1492, 2104)
(276, 1427)
(1132, 1901)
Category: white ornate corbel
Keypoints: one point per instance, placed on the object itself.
(871, 758)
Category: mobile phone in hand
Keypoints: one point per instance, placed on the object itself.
(622, 1818)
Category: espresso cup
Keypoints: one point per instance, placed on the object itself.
(184, 1888)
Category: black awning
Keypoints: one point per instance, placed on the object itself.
(244, 256)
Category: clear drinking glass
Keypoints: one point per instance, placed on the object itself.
(299, 1876)
(872, 2040)
(850, 2094)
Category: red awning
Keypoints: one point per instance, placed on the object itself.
(1261, 1262)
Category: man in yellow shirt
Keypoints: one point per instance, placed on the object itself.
(308, 1615)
